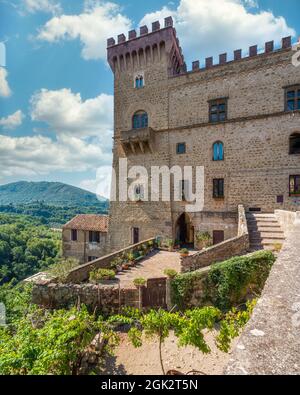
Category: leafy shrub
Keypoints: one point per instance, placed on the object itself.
(139, 282)
(62, 268)
(184, 251)
(171, 273)
(102, 274)
(227, 283)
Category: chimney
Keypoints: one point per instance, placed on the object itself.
(121, 38)
(111, 42)
(168, 21)
(253, 50)
(196, 65)
(238, 54)
(209, 62)
(286, 42)
(223, 58)
(269, 47)
(132, 34)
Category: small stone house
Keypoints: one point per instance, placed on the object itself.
(85, 237)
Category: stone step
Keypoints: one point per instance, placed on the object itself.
(266, 242)
(267, 235)
(259, 247)
(265, 228)
(262, 221)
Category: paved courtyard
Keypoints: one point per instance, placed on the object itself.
(152, 267)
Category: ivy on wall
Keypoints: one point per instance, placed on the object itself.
(226, 284)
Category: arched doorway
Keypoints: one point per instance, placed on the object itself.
(185, 230)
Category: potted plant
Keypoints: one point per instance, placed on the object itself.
(98, 275)
(130, 258)
(169, 244)
(150, 245)
(116, 264)
(203, 240)
(184, 252)
(171, 273)
(139, 282)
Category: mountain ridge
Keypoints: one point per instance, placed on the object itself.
(52, 193)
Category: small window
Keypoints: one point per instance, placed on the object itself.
(139, 192)
(295, 144)
(218, 236)
(218, 188)
(218, 110)
(185, 190)
(139, 82)
(73, 234)
(292, 98)
(295, 185)
(180, 148)
(218, 151)
(140, 120)
(94, 237)
(92, 258)
(135, 235)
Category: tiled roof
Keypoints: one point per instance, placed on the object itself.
(88, 222)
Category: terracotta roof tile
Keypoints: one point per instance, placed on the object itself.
(92, 222)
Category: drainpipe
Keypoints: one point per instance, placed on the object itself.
(84, 246)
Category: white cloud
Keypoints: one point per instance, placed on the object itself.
(39, 155)
(101, 184)
(67, 114)
(12, 121)
(49, 6)
(92, 27)
(5, 90)
(207, 28)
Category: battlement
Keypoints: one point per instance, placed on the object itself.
(147, 48)
(286, 43)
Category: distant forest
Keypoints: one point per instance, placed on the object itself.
(54, 216)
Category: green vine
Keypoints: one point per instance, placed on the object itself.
(226, 284)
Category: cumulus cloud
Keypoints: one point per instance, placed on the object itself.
(49, 6)
(92, 27)
(38, 155)
(67, 114)
(101, 183)
(12, 121)
(211, 27)
(5, 90)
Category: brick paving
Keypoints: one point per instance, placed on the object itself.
(151, 267)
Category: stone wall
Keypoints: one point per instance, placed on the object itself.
(82, 249)
(104, 298)
(238, 245)
(81, 273)
(270, 342)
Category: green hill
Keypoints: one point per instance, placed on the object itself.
(51, 193)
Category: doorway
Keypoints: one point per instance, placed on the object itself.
(185, 230)
(218, 236)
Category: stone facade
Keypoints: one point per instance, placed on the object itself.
(255, 134)
(82, 247)
(236, 246)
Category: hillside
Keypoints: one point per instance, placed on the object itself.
(51, 193)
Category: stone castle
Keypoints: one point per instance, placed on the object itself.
(239, 119)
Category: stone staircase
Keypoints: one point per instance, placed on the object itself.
(265, 232)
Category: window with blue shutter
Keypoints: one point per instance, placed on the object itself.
(218, 151)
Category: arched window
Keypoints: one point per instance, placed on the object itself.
(295, 143)
(140, 120)
(218, 151)
(139, 82)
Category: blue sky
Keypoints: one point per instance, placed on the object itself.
(56, 103)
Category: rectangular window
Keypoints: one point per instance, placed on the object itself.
(218, 110)
(180, 148)
(218, 188)
(139, 192)
(94, 237)
(292, 98)
(135, 235)
(92, 258)
(73, 234)
(295, 185)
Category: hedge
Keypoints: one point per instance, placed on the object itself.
(226, 284)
